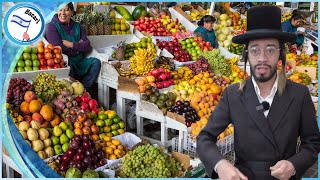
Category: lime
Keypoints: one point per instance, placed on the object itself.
(108, 122)
(138, 45)
(144, 39)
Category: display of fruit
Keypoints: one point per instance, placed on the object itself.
(236, 48)
(139, 11)
(201, 65)
(182, 35)
(228, 131)
(223, 30)
(149, 161)
(129, 49)
(151, 26)
(236, 74)
(172, 25)
(37, 138)
(184, 89)
(109, 124)
(301, 78)
(142, 60)
(162, 100)
(81, 154)
(217, 62)
(28, 60)
(60, 137)
(50, 57)
(86, 103)
(162, 78)
(16, 90)
(184, 73)
(120, 26)
(195, 46)
(112, 148)
(46, 86)
(175, 48)
(165, 63)
(184, 108)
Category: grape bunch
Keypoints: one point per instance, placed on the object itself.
(46, 87)
(149, 161)
(217, 62)
(17, 88)
(201, 65)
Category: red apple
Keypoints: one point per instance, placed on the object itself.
(43, 67)
(47, 55)
(49, 67)
(47, 50)
(40, 56)
(56, 66)
(43, 62)
(56, 60)
(50, 62)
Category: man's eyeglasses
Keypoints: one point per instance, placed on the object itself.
(269, 51)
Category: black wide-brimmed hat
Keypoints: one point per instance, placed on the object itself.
(264, 22)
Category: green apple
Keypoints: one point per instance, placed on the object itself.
(65, 147)
(100, 123)
(63, 126)
(34, 56)
(69, 133)
(35, 68)
(116, 120)
(28, 68)
(57, 149)
(64, 139)
(57, 131)
(34, 50)
(28, 62)
(20, 69)
(26, 56)
(108, 122)
(55, 140)
(35, 63)
(20, 63)
(27, 49)
(121, 124)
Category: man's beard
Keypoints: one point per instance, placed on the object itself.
(263, 78)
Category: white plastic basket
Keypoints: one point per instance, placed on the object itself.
(226, 146)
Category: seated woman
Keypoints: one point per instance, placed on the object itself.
(291, 25)
(205, 30)
(64, 32)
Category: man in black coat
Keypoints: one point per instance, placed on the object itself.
(269, 113)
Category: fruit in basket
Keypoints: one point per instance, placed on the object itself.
(37, 145)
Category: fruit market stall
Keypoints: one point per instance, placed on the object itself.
(174, 78)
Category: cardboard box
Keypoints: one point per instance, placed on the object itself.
(311, 71)
(180, 11)
(127, 85)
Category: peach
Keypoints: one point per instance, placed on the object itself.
(29, 96)
(37, 117)
(24, 107)
(34, 106)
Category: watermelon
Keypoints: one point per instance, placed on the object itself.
(138, 12)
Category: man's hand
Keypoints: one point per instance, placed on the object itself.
(227, 171)
(282, 170)
(68, 44)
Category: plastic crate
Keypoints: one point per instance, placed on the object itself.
(226, 146)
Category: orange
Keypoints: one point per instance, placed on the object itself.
(112, 157)
(203, 120)
(215, 102)
(108, 144)
(210, 80)
(206, 74)
(201, 105)
(194, 125)
(113, 146)
(192, 82)
(204, 110)
(120, 147)
(109, 150)
(200, 113)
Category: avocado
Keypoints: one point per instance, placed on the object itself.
(172, 96)
(163, 97)
(169, 103)
(161, 104)
(153, 98)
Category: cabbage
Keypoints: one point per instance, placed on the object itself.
(229, 37)
(222, 37)
(223, 17)
(225, 31)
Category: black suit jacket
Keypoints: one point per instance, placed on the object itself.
(257, 138)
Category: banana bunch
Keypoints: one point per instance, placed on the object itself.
(286, 16)
(142, 60)
(16, 117)
(164, 62)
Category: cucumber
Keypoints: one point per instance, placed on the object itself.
(123, 12)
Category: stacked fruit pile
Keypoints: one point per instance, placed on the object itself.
(175, 48)
(112, 148)
(184, 108)
(60, 138)
(120, 26)
(162, 78)
(223, 30)
(109, 124)
(129, 50)
(217, 62)
(151, 26)
(149, 161)
(16, 90)
(142, 60)
(235, 48)
(184, 89)
(201, 65)
(172, 25)
(184, 73)
(301, 78)
(37, 137)
(195, 46)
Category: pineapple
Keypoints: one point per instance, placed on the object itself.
(107, 21)
(92, 28)
(121, 50)
(99, 24)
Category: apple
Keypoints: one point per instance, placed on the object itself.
(56, 66)
(159, 85)
(47, 50)
(48, 56)
(56, 60)
(165, 84)
(43, 62)
(40, 56)
(49, 67)
(50, 62)
(42, 67)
